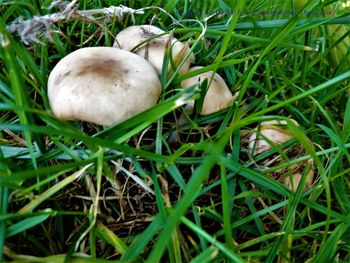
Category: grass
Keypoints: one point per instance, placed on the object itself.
(155, 189)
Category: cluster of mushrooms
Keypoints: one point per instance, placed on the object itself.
(107, 85)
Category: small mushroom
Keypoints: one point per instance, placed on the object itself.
(102, 85)
(218, 96)
(274, 133)
(153, 50)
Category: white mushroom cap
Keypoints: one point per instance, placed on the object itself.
(292, 182)
(153, 50)
(218, 96)
(102, 85)
(273, 132)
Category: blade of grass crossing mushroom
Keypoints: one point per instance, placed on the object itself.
(54, 189)
(223, 64)
(198, 104)
(123, 131)
(188, 54)
(300, 136)
(332, 150)
(288, 222)
(279, 188)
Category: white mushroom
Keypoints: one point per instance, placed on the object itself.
(102, 85)
(218, 95)
(153, 50)
(274, 133)
(293, 181)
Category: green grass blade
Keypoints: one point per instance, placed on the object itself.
(25, 224)
(106, 234)
(123, 131)
(172, 249)
(305, 94)
(21, 99)
(3, 211)
(33, 204)
(207, 255)
(229, 253)
(336, 139)
(193, 185)
(329, 248)
(227, 215)
(136, 248)
(346, 124)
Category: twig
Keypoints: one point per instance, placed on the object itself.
(30, 29)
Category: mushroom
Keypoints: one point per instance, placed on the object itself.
(274, 133)
(218, 95)
(270, 132)
(153, 50)
(102, 85)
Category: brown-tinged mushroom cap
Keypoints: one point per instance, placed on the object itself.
(274, 134)
(218, 96)
(102, 85)
(153, 50)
